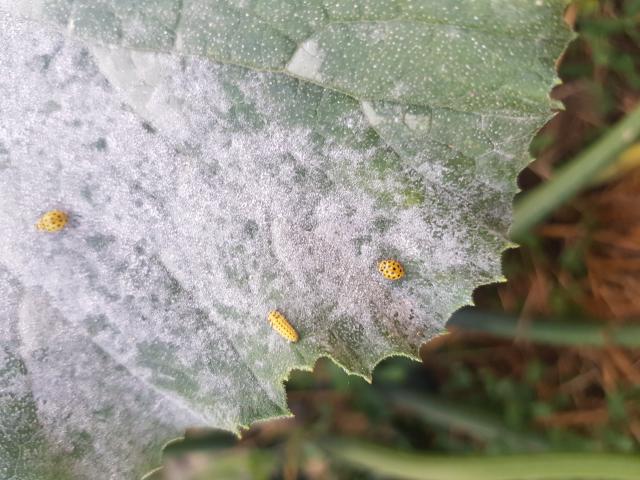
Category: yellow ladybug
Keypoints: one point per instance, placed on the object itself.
(281, 325)
(52, 221)
(391, 269)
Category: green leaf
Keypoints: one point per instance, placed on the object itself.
(219, 160)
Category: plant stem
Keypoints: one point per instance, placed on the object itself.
(545, 331)
(547, 466)
(536, 205)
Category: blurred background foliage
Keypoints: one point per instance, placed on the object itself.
(479, 393)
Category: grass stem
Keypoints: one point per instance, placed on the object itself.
(547, 331)
(544, 466)
(576, 175)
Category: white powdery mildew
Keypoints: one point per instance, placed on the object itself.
(88, 403)
(308, 254)
(14, 384)
(83, 398)
(188, 228)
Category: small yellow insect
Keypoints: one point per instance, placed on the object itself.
(391, 269)
(52, 221)
(281, 325)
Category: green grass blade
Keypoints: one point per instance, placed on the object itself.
(477, 424)
(574, 176)
(547, 331)
(548, 466)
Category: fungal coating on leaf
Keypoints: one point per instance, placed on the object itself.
(52, 221)
(391, 269)
(281, 325)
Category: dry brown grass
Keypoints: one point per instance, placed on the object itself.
(600, 230)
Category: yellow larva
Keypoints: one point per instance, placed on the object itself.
(391, 269)
(281, 325)
(52, 221)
